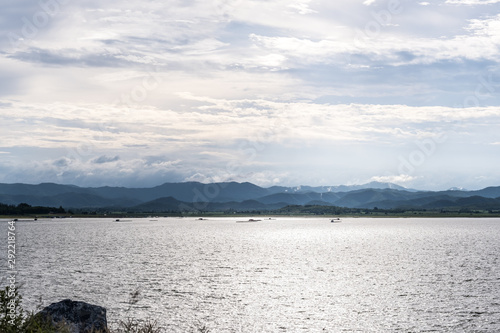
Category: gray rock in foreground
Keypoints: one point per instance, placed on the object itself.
(80, 317)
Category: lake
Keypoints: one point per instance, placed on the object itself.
(283, 275)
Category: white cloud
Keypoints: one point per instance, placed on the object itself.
(302, 7)
(472, 2)
(481, 44)
(396, 179)
(99, 81)
(222, 121)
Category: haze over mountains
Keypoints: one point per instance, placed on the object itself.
(243, 197)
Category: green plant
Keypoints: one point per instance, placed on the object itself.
(14, 320)
(203, 329)
(199, 327)
(134, 298)
(11, 312)
(133, 326)
(36, 324)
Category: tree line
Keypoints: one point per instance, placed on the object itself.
(25, 209)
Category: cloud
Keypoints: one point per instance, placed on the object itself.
(225, 123)
(472, 2)
(92, 94)
(254, 48)
(482, 42)
(396, 179)
(174, 37)
(221, 139)
(198, 177)
(105, 159)
(129, 172)
(63, 162)
(302, 7)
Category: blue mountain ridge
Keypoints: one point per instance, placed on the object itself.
(241, 196)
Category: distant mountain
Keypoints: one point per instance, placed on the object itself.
(489, 192)
(68, 200)
(44, 189)
(159, 205)
(243, 197)
(173, 205)
(301, 198)
(368, 197)
(45, 194)
(341, 188)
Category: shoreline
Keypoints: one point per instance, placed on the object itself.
(32, 218)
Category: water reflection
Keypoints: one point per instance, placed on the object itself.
(284, 275)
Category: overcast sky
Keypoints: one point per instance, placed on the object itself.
(285, 92)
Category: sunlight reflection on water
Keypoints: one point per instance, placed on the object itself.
(284, 275)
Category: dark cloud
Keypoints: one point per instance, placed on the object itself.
(46, 57)
(105, 159)
(63, 162)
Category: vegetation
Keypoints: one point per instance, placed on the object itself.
(318, 210)
(11, 313)
(14, 320)
(23, 209)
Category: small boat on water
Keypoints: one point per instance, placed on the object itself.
(118, 220)
(249, 220)
(336, 220)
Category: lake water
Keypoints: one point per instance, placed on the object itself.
(283, 275)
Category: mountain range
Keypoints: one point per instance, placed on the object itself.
(243, 197)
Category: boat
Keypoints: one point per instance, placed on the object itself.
(336, 220)
(118, 220)
(249, 220)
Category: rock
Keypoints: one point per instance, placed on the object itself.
(80, 317)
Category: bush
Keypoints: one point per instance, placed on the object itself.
(133, 326)
(11, 312)
(13, 319)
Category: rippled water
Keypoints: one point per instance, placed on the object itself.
(284, 275)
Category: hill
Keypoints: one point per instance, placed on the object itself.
(243, 197)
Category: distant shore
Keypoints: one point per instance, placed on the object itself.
(261, 215)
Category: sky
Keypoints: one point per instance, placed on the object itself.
(296, 92)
